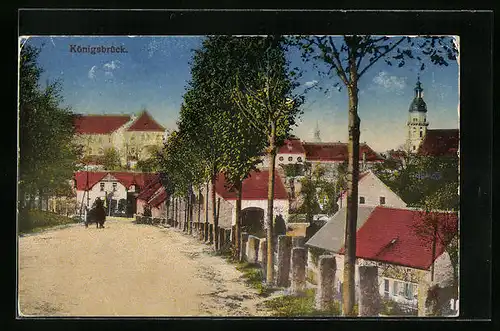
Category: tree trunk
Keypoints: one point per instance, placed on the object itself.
(270, 206)
(199, 206)
(237, 225)
(206, 213)
(214, 214)
(352, 199)
(40, 199)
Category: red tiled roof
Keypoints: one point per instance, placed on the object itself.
(254, 187)
(439, 142)
(397, 154)
(145, 123)
(373, 240)
(158, 199)
(99, 124)
(336, 152)
(292, 146)
(126, 178)
(149, 191)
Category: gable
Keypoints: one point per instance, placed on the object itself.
(145, 122)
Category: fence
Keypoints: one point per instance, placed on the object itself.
(291, 270)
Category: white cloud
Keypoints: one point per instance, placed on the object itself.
(390, 83)
(91, 73)
(108, 74)
(311, 83)
(112, 65)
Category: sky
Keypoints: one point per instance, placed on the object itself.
(154, 71)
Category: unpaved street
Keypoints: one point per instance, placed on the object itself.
(127, 269)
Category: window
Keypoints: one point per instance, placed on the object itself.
(386, 287)
(382, 200)
(361, 200)
(421, 133)
(408, 290)
(281, 158)
(395, 288)
(101, 151)
(102, 186)
(132, 138)
(414, 147)
(290, 158)
(299, 159)
(114, 186)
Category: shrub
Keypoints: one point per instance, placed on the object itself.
(35, 219)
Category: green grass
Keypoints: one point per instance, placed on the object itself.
(254, 277)
(33, 221)
(293, 306)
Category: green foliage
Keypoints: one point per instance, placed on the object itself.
(297, 218)
(254, 277)
(292, 306)
(424, 182)
(111, 159)
(36, 220)
(48, 152)
(316, 189)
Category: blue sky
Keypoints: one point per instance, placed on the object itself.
(155, 70)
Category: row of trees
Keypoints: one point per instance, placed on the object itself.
(239, 107)
(47, 152)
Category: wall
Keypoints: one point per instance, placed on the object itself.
(372, 188)
(95, 192)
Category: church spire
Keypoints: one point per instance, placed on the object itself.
(418, 88)
(317, 137)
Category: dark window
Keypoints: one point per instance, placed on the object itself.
(382, 200)
(281, 158)
(290, 158)
(414, 147)
(299, 159)
(361, 200)
(420, 133)
(386, 285)
(114, 186)
(102, 186)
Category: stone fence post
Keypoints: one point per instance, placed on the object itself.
(298, 241)
(263, 254)
(253, 249)
(369, 299)
(299, 259)
(283, 262)
(243, 248)
(325, 291)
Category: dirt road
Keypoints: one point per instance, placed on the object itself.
(127, 269)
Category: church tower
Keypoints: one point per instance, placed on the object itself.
(417, 121)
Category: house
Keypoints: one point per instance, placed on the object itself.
(132, 136)
(253, 200)
(389, 238)
(439, 142)
(155, 197)
(373, 192)
(111, 186)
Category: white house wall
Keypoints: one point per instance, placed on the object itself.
(95, 192)
(372, 188)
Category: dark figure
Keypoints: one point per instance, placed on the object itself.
(96, 215)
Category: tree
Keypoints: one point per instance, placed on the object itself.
(48, 154)
(111, 159)
(348, 58)
(269, 104)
